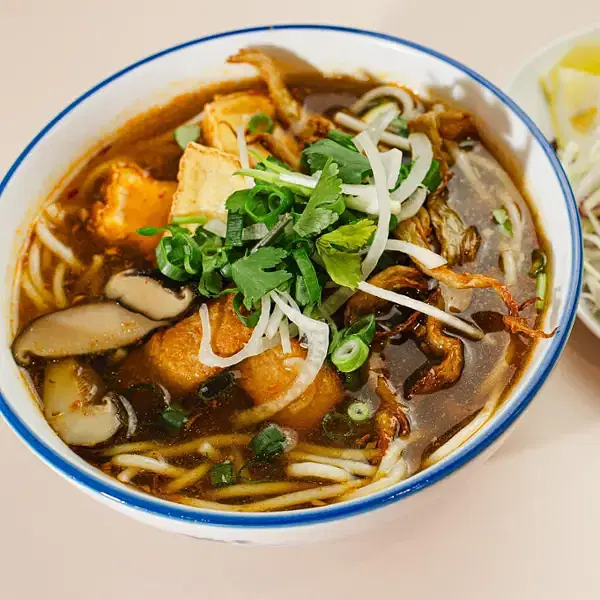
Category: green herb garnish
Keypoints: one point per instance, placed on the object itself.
(260, 123)
(501, 217)
(185, 134)
(353, 167)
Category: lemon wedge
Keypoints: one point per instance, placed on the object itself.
(572, 88)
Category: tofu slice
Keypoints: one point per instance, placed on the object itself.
(132, 199)
(224, 114)
(206, 179)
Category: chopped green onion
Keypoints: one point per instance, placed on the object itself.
(246, 467)
(149, 231)
(260, 123)
(301, 292)
(502, 219)
(359, 411)
(222, 474)
(215, 386)
(332, 422)
(248, 320)
(541, 284)
(235, 228)
(165, 264)
(364, 328)
(271, 163)
(265, 203)
(393, 223)
(185, 134)
(268, 444)
(343, 139)
(538, 263)
(399, 126)
(308, 274)
(189, 219)
(174, 416)
(433, 178)
(350, 354)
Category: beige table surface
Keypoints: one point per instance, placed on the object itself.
(527, 526)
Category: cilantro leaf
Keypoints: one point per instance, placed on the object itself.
(350, 237)
(352, 165)
(339, 251)
(325, 204)
(236, 203)
(252, 278)
(343, 139)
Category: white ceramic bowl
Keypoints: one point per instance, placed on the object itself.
(525, 88)
(332, 49)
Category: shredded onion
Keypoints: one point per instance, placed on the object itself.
(423, 307)
(354, 124)
(254, 346)
(274, 321)
(56, 246)
(284, 334)
(387, 91)
(381, 123)
(243, 150)
(392, 161)
(430, 259)
(317, 335)
(456, 299)
(409, 208)
(132, 420)
(422, 154)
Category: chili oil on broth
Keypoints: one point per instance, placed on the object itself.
(147, 140)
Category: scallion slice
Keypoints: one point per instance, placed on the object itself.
(359, 411)
(337, 426)
(538, 263)
(541, 285)
(249, 320)
(165, 264)
(189, 219)
(222, 474)
(268, 444)
(309, 275)
(350, 354)
(174, 416)
(235, 229)
(364, 328)
(185, 134)
(260, 123)
(215, 386)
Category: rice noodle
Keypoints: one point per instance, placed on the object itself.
(91, 275)
(32, 292)
(397, 474)
(126, 475)
(189, 478)
(387, 91)
(197, 503)
(314, 470)
(58, 286)
(56, 246)
(253, 347)
(247, 490)
(302, 497)
(422, 155)
(347, 453)
(380, 124)
(35, 271)
(207, 449)
(354, 124)
(240, 132)
(390, 458)
(317, 335)
(146, 463)
(423, 307)
(425, 256)
(352, 466)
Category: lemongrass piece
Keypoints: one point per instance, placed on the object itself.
(425, 256)
(126, 475)
(188, 478)
(35, 271)
(423, 307)
(317, 334)
(390, 458)
(247, 490)
(147, 463)
(348, 453)
(398, 473)
(130, 448)
(208, 450)
(302, 497)
(56, 246)
(387, 91)
(354, 124)
(253, 347)
(411, 206)
(422, 154)
(313, 470)
(466, 433)
(32, 292)
(197, 503)
(377, 247)
(352, 466)
(58, 286)
(240, 131)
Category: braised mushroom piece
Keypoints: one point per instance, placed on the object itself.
(281, 293)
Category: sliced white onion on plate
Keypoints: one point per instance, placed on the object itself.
(409, 208)
(423, 307)
(422, 154)
(254, 346)
(392, 161)
(317, 339)
(426, 257)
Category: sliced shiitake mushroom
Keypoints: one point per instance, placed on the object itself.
(146, 294)
(84, 329)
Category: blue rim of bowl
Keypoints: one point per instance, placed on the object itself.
(120, 494)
